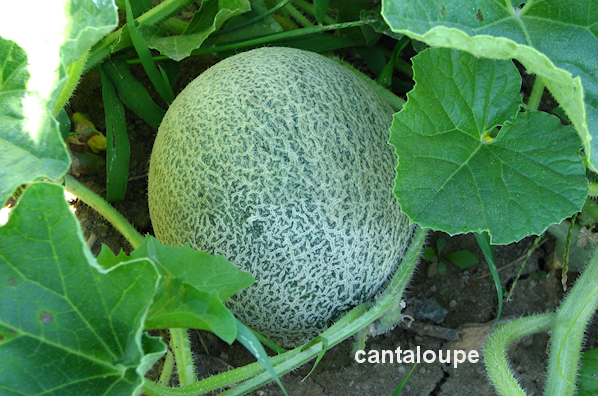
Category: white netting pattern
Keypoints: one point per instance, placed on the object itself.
(278, 159)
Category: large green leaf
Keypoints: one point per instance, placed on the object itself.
(454, 175)
(207, 20)
(67, 326)
(555, 39)
(89, 21)
(194, 288)
(31, 148)
(33, 72)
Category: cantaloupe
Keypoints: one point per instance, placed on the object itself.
(278, 159)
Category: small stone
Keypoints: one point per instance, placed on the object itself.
(453, 303)
(430, 309)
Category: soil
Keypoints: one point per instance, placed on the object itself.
(463, 301)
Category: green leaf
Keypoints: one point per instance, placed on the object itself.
(483, 240)
(141, 47)
(71, 327)
(401, 385)
(132, 93)
(194, 288)
(455, 176)
(588, 374)
(258, 22)
(463, 259)
(314, 341)
(179, 47)
(550, 38)
(89, 21)
(31, 146)
(321, 7)
(118, 148)
(178, 304)
(246, 337)
(440, 245)
(441, 267)
(64, 124)
(33, 72)
(428, 253)
(201, 270)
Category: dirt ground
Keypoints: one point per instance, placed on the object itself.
(462, 302)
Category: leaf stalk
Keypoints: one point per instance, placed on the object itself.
(97, 203)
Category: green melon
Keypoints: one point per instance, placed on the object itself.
(278, 159)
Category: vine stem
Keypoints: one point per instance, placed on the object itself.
(73, 75)
(536, 95)
(100, 205)
(353, 321)
(182, 355)
(495, 350)
(571, 321)
(298, 16)
(567, 327)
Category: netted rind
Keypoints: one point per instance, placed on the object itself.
(278, 159)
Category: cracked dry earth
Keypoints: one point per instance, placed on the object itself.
(464, 301)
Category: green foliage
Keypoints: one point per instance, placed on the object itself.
(27, 155)
(194, 288)
(30, 142)
(141, 47)
(131, 92)
(209, 18)
(582, 244)
(118, 148)
(458, 173)
(401, 385)
(471, 158)
(539, 34)
(246, 337)
(321, 6)
(461, 258)
(587, 383)
(70, 327)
